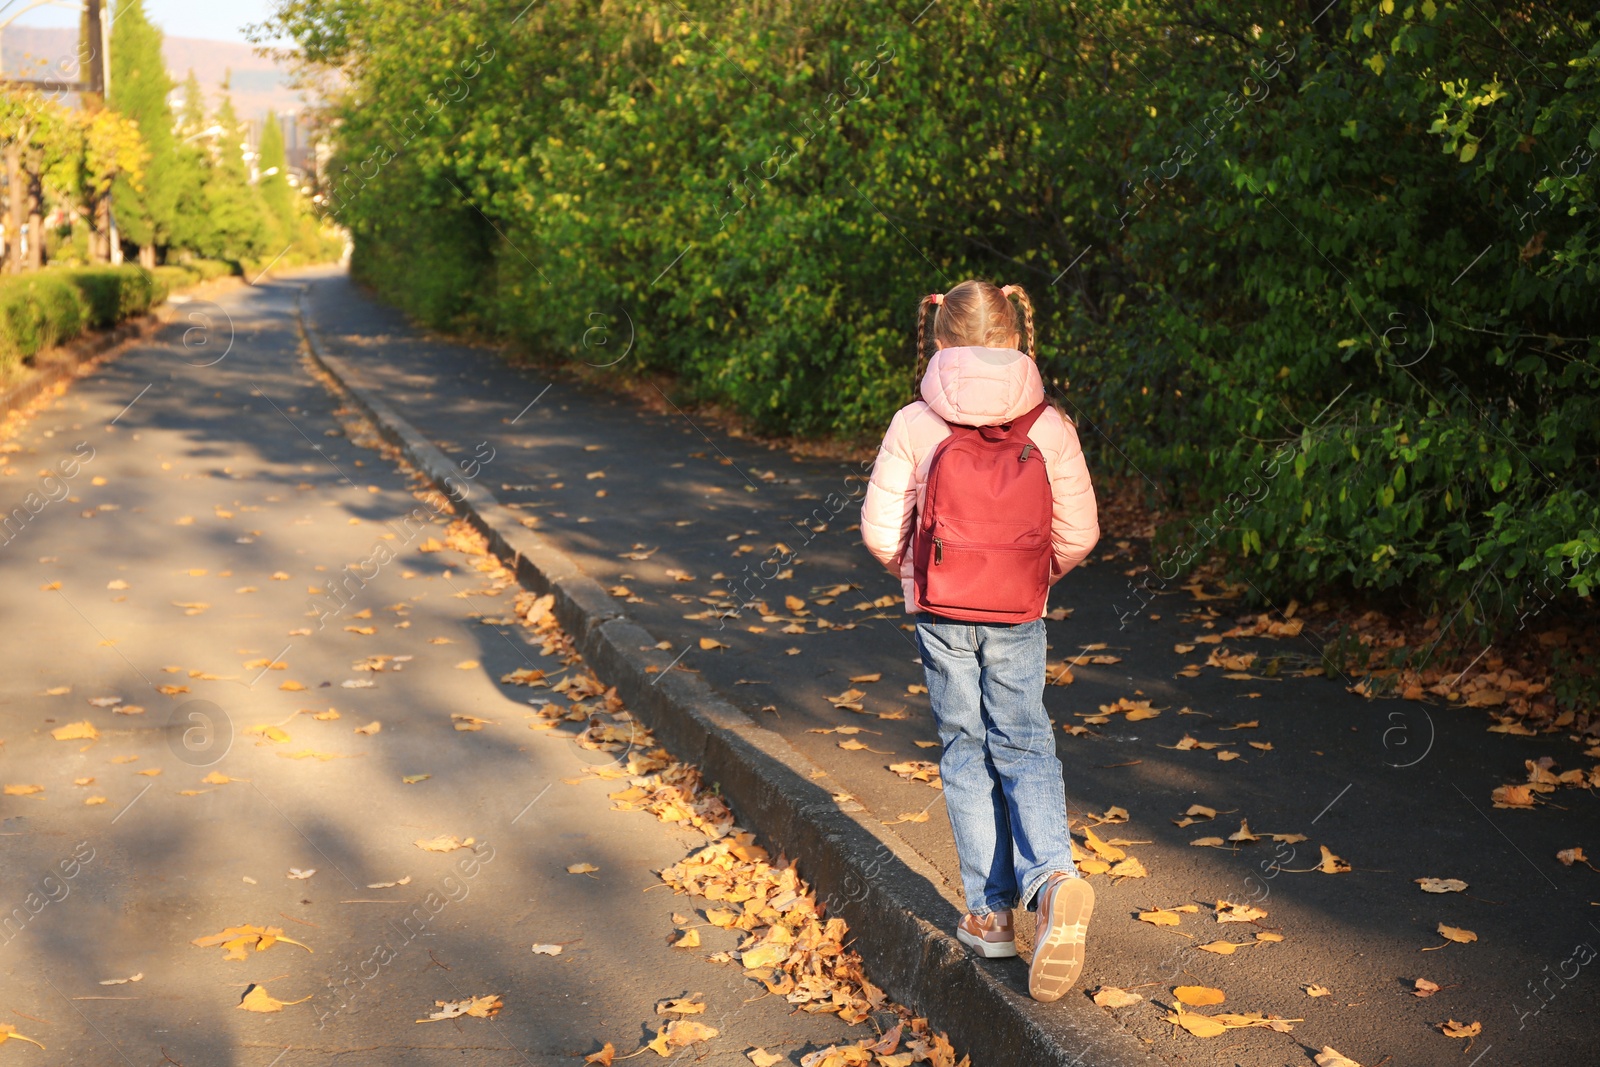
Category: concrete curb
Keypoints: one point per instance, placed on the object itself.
(863, 872)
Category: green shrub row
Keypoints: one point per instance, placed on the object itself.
(1363, 231)
(54, 305)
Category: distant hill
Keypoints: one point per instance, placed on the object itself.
(258, 85)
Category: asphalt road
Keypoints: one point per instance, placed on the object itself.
(173, 566)
(691, 522)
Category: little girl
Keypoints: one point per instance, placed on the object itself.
(979, 501)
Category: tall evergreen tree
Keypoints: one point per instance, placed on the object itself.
(275, 190)
(191, 223)
(238, 217)
(139, 90)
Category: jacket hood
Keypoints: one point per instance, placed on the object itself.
(973, 386)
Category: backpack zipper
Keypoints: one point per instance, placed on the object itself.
(938, 551)
(1025, 450)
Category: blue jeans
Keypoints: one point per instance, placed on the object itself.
(1002, 780)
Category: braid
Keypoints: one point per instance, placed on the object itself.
(1027, 317)
(925, 344)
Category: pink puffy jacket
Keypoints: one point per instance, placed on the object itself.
(974, 387)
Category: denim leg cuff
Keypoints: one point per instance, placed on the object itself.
(1002, 905)
(1031, 895)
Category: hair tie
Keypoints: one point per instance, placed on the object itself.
(937, 299)
(1008, 291)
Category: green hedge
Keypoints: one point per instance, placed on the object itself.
(177, 276)
(36, 311)
(50, 306)
(1323, 277)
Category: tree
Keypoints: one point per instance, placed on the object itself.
(113, 149)
(238, 219)
(275, 190)
(139, 90)
(190, 224)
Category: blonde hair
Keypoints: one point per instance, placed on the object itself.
(975, 313)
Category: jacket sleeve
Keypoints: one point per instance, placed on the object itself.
(890, 505)
(1074, 520)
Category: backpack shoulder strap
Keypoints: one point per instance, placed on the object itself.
(1023, 423)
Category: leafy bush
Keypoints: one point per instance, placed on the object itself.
(111, 294)
(51, 306)
(1360, 236)
(37, 311)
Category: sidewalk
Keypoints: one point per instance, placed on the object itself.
(684, 524)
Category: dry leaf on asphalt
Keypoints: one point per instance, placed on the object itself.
(256, 998)
(682, 1006)
(1512, 796)
(371, 728)
(235, 940)
(1330, 1057)
(1332, 864)
(1109, 996)
(413, 779)
(1199, 996)
(297, 874)
(1228, 912)
(679, 1033)
(863, 679)
(687, 939)
(762, 1058)
(918, 771)
(1440, 885)
(1452, 933)
(1424, 988)
(124, 981)
(1255, 1020)
(1198, 1025)
(1455, 1029)
(1314, 990)
(1569, 856)
(23, 790)
(484, 1007)
(604, 1057)
(443, 843)
(1221, 948)
(547, 950)
(1166, 916)
(582, 868)
(76, 731)
(9, 1033)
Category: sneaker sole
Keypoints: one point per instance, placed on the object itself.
(1058, 955)
(993, 950)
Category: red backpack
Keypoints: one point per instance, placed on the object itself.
(981, 551)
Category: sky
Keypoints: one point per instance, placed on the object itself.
(218, 20)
